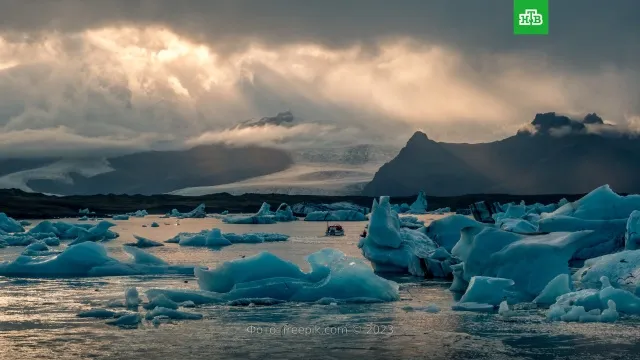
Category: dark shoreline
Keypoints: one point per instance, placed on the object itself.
(23, 205)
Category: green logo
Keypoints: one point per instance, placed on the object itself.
(531, 17)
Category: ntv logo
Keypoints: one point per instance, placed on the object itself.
(530, 18)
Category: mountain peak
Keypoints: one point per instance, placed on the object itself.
(418, 136)
(593, 119)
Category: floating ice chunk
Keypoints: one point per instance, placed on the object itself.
(555, 312)
(384, 227)
(172, 314)
(632, 235)
(336, 215)
(560, 285)
(284, 213)
(487, 290)
(131, 298)
(215, 238)
(162, 319)
(45, 226)
(120, 217)
(420, 205)
(332, 275)
(471, 306)
(574, 314)
(143, 258)
(85, 259)
(440, 211)
(9, 225)
(411, 222)
(154, 224)
(446, 231)
(129, 320)
(97, 313)
(600, 204)
(587, 298)
(25, 222)
(85, 212)
(51, 241)
(622, 269)
(187, 304)
(197, 213)
(255, 302)
(83, 218)
(144, 242)
(519, 226)
(198, 297)
(161, 301)
(626, 302)
(531, 261)
(609, 314)
(504, 310)
(138, 213)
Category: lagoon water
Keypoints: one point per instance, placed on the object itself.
(38, 316)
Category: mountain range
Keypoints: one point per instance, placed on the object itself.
(555, 155)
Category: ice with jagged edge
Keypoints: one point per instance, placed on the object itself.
(395, 249)
(530, 261)
(622, 269)
(266, 276)
(197, 213)
(600, 204)
(336, 215)
(264, 216)
(89, 259)
(215, 238)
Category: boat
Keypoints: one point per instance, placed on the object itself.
(334, 230)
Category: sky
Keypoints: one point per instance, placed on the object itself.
(103, 77)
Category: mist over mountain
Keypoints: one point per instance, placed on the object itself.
(555, 154)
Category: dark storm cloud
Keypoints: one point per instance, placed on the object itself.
(582, 32)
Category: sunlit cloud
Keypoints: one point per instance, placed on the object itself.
(133, 88)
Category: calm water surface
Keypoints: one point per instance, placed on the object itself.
(38, 316)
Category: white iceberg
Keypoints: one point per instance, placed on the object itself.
(9, 225)
(420, 205)
(172, 314)
(120, 217)
(138, 213)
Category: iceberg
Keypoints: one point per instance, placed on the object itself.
(600, 204)
(471, 306)
(632, 234)
(197, 213)
(9, 225)
(161, 301)
(411, 222)
(97, 313)
(215, 238)
(305, 208)
(336, 215)
(87, 259)
(591, 300)
(333, 275)
(144, 242)
(393, 249)
(172, 314)
(608, 236)
(154, 224)
(622, 269)
(420, 205)
(440, 211)
(131, 298)
(120, 217)
(138, 213)
(126, 321)
(557, 287)
(487, 290)
(446, 231)
(83, 218)
(264, 216)
(530, 261)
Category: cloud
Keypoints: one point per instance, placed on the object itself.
(116, 76)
